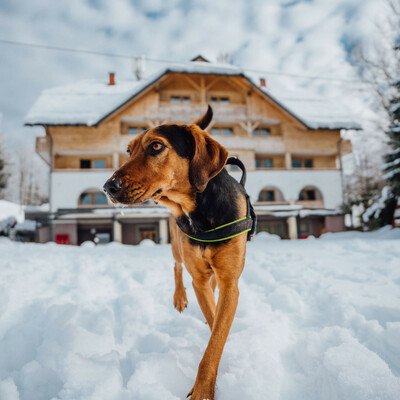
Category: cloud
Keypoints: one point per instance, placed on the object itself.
(303, 37)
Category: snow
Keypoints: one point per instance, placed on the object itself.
(375, 209)
(316, 112)
(88, 102)
(9, 209)
(26, 226)
(317, 320)
(82, 103)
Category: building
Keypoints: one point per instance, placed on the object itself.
(291, 147)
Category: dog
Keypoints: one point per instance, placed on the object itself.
(182, 167)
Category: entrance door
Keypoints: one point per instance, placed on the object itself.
(273, 227)
(147, 232)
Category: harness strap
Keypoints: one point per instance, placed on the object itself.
(232, 229)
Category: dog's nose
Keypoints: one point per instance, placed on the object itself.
(112, 187)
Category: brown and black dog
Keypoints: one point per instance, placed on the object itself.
(182, 167)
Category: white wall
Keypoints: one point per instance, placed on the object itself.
(66, 187)
(290, 183)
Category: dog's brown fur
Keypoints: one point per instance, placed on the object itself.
(175, 181)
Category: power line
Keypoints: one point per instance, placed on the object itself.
(165, 61)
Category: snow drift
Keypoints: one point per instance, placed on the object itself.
(317, 319)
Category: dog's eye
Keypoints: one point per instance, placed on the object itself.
(155, 148)
(128, 150)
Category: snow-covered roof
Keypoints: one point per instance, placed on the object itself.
(316, 112)
(89, 102)
(82, 103)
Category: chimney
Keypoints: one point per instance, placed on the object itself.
(263, 83)
(111, 81)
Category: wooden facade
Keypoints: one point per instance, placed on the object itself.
(266, 136)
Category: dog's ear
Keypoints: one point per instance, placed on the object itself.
(209, 157)
(205, 119)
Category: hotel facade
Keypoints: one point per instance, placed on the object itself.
(291, 146)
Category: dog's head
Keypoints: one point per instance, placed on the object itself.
(170, 157)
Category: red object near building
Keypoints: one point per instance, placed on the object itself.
(62, 238)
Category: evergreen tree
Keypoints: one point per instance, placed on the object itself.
(3, 173)
(392, 159)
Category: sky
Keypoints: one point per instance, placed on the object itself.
(311, 37)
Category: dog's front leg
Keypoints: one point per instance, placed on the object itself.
(205, 298)
(180, 299)
(207, 373)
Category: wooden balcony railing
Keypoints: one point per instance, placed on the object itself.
(189, 112)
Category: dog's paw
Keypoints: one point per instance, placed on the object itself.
(201, 393)
(180, 300)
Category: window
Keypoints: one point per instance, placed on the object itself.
(86, 199)
(93, 199)
(134, 130)
(305, 228)
(307, 194)
(310, 195)
(267, 195)
(302, 163)
(180, 99)
(262, 163)
(99, 164)
(219, 100)
(308, 163)
(86, 164)
(262, 132)
(99, 199)
(225, 131)
(296, 163)
(273, 227)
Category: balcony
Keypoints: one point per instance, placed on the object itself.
(229, 113)
(267, 145)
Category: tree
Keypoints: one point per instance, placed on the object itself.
(3, 171)
(392, 159)
(380, 67)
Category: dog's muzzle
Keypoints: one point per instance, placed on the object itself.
(112, 187)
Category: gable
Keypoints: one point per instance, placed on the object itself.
(89, 103)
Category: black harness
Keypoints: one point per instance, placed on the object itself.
(232, 229)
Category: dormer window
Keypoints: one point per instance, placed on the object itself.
(262, 132)
(180, 99)
(134, 130)
(225, 131)
(219, 100)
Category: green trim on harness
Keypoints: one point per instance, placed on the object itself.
(219, 227)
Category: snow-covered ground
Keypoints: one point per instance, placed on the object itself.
(317, 319)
